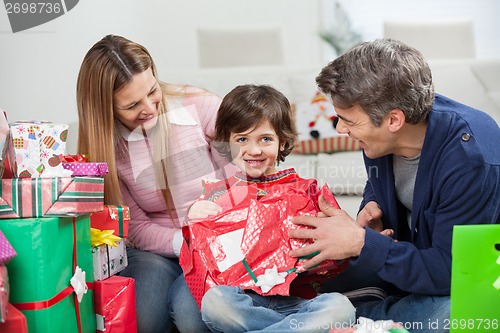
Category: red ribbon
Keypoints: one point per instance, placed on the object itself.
(73, 158)
(61, 295)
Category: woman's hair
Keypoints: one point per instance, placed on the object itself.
(380, 76)
(247, 106)
(107, 67)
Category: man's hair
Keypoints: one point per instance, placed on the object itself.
(379, 76)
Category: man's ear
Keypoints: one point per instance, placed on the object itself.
(396, 119)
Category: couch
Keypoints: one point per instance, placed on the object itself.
(475, 82)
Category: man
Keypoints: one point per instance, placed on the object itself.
(432, 163)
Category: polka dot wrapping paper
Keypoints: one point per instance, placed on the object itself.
(7, 252)
(97, 169)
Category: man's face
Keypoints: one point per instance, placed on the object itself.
(375, 141)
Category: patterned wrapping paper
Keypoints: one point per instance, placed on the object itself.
(59, 196)
(4, 139)
(115, 305)
(114, 218)
(261, 229)
(7, 252)
(97, 169)
(37, 146)
(48, 251)
(15, 322)
(108, 260)
(4, 293)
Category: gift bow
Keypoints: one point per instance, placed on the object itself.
(269, 279)
(79, 284)
(73, 158)
(99, 237)
(272, 277)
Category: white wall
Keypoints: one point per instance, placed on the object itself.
(39, 67)
(367, 17)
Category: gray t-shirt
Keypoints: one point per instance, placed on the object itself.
(405, 173)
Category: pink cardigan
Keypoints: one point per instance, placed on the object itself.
(151, 227)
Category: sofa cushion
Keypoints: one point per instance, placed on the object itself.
(315, 116)
(344, 172)
(305, 165)
(462, 84)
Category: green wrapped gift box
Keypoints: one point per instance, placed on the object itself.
(48, 251)
(475, 278)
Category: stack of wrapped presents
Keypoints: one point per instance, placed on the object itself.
(60, 246)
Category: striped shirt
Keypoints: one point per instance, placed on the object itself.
(152, 228)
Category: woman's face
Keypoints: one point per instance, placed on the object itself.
(136, 104)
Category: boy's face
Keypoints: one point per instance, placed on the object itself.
(255, 151)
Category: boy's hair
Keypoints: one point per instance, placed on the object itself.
(245, 107)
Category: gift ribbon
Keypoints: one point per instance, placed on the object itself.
(99, 237)
(73, 158)
(39, 305)
(120, 219)
(288, 271)
(252, 274)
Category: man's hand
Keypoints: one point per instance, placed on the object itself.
(203, 209)
(371, 216)
(336, 236)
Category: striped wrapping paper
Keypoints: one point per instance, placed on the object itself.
(59, 196)
(326, 145)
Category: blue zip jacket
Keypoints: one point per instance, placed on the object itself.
(458, 182)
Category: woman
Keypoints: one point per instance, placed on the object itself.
(155, 139)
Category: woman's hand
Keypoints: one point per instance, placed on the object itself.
(203, 209)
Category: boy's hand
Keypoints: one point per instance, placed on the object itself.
(203, 209)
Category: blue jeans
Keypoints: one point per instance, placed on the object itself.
(183, 308)
(230, 309)
(417, 313)
(153, 275)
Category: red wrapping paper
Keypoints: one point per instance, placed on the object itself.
(15, 321)
(265, 221)
(114, 304)
(114, 218)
